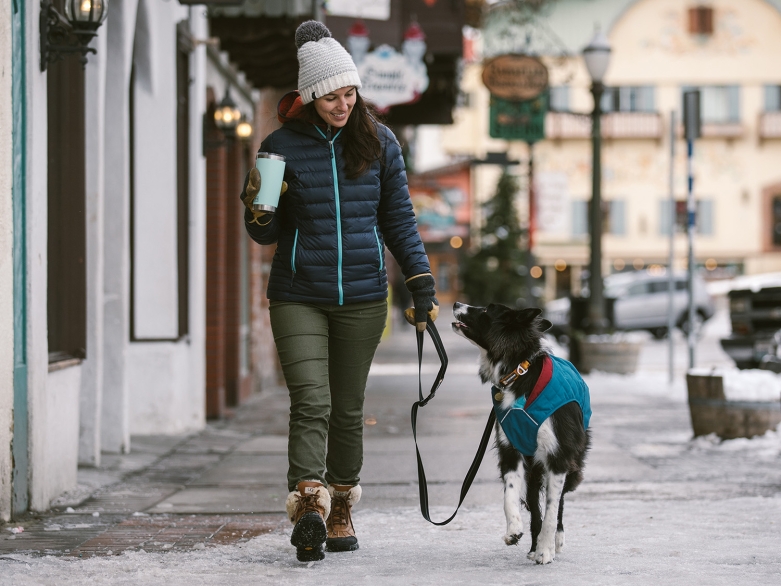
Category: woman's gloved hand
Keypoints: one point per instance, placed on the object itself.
(423, 296)
(251, 189)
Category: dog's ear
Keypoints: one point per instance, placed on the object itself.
(528, 314)
(545, 325)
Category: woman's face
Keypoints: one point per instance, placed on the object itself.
(335, 107)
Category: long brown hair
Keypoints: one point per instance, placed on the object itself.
(361, 144)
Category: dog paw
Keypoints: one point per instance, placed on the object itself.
(544, 555)
(512, 538)
(559, 541)
(531, 555)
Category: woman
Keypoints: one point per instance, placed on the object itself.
(346, 198)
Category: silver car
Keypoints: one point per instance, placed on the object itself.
(641, 303)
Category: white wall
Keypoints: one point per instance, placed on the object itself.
(57, 460)
(161, 398)
(199, 28)
(6, 266)
(91, 398)
(119, 30)
(155, 283)
(41, 469)
(166, 379)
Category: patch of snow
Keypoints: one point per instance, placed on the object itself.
(746, 385)
(606, 385)
(632, 336)
(767, 446)
(616, 542)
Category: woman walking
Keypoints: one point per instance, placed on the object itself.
(345, 198)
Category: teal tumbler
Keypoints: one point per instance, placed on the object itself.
(272, 171)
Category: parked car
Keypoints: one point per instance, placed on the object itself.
(641, 303)
(756, 319)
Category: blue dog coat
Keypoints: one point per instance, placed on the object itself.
(559, 384)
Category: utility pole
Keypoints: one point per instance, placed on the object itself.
(671, 260)
(691, 121)
(531, 228)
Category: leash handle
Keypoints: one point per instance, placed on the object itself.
(440, 348)
(475, 466)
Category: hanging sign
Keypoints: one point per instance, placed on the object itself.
(518, 120)
(515, 77)
(390, 78)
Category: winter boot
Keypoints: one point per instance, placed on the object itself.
(307, 509)
(341, 534)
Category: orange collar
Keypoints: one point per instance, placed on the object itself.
(514, 375)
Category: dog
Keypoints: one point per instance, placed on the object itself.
(534, 456)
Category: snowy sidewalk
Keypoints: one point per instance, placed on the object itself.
(656, 505)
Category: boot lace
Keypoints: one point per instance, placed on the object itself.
(340, 511)
(308, 503)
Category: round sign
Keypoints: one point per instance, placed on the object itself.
(515, 77)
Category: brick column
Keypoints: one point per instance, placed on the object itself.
(216, 252)
(234, 181)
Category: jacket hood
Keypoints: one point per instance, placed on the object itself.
(291, 107)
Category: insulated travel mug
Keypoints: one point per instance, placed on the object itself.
(272, 170)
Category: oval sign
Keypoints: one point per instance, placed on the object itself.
(515, 77)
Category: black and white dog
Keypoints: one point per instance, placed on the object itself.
(542, 409)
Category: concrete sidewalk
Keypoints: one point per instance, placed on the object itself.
(655, 505)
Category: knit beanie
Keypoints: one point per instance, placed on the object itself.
(323, 64)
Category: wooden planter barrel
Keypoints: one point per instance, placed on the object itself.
(712, 413)
(605, 356)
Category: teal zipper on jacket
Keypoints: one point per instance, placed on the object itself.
(379, 253)
(338, 210)
(293, 258)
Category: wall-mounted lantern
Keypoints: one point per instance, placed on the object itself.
(72, 33)
(227, 114)
(244, 129)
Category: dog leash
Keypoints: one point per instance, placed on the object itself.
(421, 402)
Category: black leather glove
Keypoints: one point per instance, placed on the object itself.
(251, 189)
(423, 296)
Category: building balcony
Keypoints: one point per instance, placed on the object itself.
(720, 130)
(769, 125)
(615, 125)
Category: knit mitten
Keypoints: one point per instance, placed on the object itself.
(423, 296)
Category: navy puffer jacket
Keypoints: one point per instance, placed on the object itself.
(331, 231)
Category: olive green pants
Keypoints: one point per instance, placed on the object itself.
(326, 352)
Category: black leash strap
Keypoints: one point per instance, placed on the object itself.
(421, 402)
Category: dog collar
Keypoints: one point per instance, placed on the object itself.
(514, 375)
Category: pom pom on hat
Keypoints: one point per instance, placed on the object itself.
(311, 30)
(323, 64)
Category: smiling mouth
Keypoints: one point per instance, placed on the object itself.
(460, 325)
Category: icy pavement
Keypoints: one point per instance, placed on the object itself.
(656, 506)
(617, 542)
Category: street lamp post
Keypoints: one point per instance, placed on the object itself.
(597, 58)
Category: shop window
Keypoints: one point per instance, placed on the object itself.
(629, 99)
(183, 177)
(66, 265)
(559, 98)
(703, 218)
(773, 98)
(614, 221)
(775, 212)
(719, 104)
(613, 218)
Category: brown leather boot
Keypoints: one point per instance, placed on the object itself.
(307, 508)
(341, 533)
